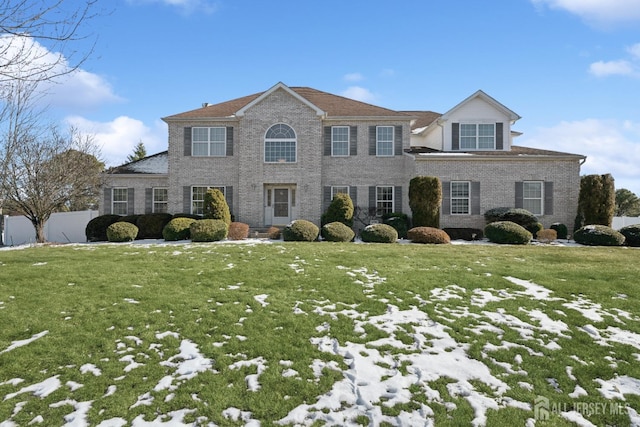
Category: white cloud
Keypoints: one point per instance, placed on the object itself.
(118, 138)
(634, 51)
(353, 77)
(359, 94)
(608, 68)
(611, 146)
(185, 6)
(598, 12)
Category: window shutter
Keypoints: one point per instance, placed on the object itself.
(548, 198)
(228, 195)
(186, 199)
(353, 140)
(229, 152)
(372, 198)
(148, 200)
(327, 140)
(519, 194)
(326, 197)
(353, 193)
(130, 201)
(107, 201)
(372, 140)
(446, 198)
(475, 198)
(499, 136)
(455, 136)
(187, 141)
(397, 136)
(397, 199)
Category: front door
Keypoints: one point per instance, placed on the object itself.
(281, 206)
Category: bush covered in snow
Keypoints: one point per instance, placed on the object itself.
(631, 234)
(300, 230)
(379, 233)
(178, 229)
(122, 231)
(208, 230)
(428, 235)
(96, 229)
(238, 231)
(151, 225)
(507, 232)
(598, 235)
(337, 232)
(468, 234)
(561, 230)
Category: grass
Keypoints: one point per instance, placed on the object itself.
(106, 305)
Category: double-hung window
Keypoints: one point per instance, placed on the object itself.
(209, 141)
(197, 198)
(384, 141)
(160, 200)
(340, 141)
(120, 201)
(384, 200)
(460, 198)
(280, 144)
(533, 196)
(477, 136)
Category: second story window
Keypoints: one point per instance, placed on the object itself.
(384, 141)
(280, 144)
(477, 136)
(209, 141)
(340, 141)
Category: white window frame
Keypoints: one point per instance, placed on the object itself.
(336, 189)
(381, 202)
(158, 205)
(215, 147)
(460, 204)
(118, 205)
(199, 208)
(479, 136)
(343, 143)
(529, 199)
(385, 151)
(271, 145)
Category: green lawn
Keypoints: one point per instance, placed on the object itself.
(283, 333)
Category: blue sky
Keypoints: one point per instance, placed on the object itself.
(570, 68)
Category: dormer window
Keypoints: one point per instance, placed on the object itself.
(477, 136)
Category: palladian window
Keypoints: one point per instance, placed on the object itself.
(280, 144)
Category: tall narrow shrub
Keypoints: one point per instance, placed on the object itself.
(425, 197)
(216, 207)
(340, 210)
(597, 200)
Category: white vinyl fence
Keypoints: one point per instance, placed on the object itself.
(623, 221)
(62, 227)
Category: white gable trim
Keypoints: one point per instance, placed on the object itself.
(284, 87)
(489, 100)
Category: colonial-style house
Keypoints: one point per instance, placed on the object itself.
(284, 153)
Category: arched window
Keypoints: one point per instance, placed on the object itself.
(280, 144)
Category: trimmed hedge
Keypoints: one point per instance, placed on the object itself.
(340, 209)
(178, 229)
(425, 197)
(520, 216)
(238, 231)
(546, 236)
(631, 234)
(122, 231)
(337, 232)
(428, 235)
(300, 230)
(215, 206)
(208, 230)
(96, 229)
(379, 233)
(507, 232)
(151, 225)
(399, 221)
(561, 230)
(468, 234)
(598, 235)
(131, 219)
(274, 233)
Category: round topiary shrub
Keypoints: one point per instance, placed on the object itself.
(379, 233)
(122, 231)
(274, 233)
(507, 232)
(238, 231)
(178, 229)
(340, 209)
(598, 235)
(337, 232)
(208, 230)
(631, 234)
(300, 230)
(428, 235)
(399, 221)
(546, 236)
(561, 230)
(96, 229)
(151, 225)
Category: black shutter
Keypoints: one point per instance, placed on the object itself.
(130, 201)
(228, 195)
(107, 201)
(397, 199)
(353, 193)
(475, 198)
(372, 140)
(186, 199)
(326, 197)
(397, 135)
(148, 200)
(548, 198)
(446, 198)
(499, 136)
(229, 152)
(372, 199)
(455, 136)
(326, 138)
(519, 194)
(187, 141)
(353, 140)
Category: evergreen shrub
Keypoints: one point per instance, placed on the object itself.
(596, 200)
(300, 230)
(208, 230)
(337, 232)
(598, 235)
(340, 209)
(467, 234)
(399, 221)
(425, 197)
(96, 229)
(379, 233)
(428, 235)
(631, 234)
(561, 230)
(151, 225)
(507, 232)
(238, 231)
(216, 207)
(178, 229)
(122, 231)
